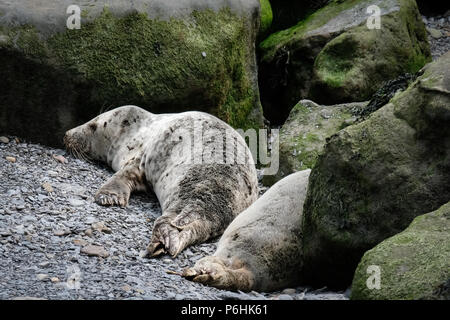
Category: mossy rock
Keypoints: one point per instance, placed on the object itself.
(373, 178)
(414, 264)
(305, 132)
(332, 56)
(266, 17)
(164, 56)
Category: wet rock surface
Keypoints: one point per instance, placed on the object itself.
(56, 243)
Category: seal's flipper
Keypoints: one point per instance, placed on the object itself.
(213, 271)
(173, 233)
(168, 239)
(114, 192)
(117, 190)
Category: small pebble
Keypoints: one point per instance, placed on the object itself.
(285, 297)
(76, 202)
(47, 187)
(62, 232)
(54, 279)
(289, 291)
(100, 227)
(42, 276)
(88, 232)
(80, 242)
(93, 250)
(90, 220)
(52, 173)
(60, 158)
(126, 288)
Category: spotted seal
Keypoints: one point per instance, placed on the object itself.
(199, 167)
(261, 249)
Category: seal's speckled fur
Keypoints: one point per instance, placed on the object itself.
(262, 248)
(148, 151)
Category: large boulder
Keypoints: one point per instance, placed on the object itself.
(414, 264)
(304, 134)
(333, 57)
(309, 125)
(373, 178)
(163, 55)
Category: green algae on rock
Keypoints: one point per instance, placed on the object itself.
(333, 57)
(165, 57)
(266, 17)
(414, 264)
(373, 178)
(304, 134)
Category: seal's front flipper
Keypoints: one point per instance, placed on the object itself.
(117, 190)
(114, 192)
(214, 271)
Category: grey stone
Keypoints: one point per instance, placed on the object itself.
(42, 277)
(435, 33)
(93, 250)
(289, 291)
(285, 297)
(76, 202)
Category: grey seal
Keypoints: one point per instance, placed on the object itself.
(261, 249)
(161, 152)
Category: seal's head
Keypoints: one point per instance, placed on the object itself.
(94, 139)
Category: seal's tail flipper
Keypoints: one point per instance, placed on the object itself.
(212, 271)
(169, 239)
(172, 233)
(154, 249)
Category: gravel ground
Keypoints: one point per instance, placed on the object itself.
(438, 30)
(56, 243)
